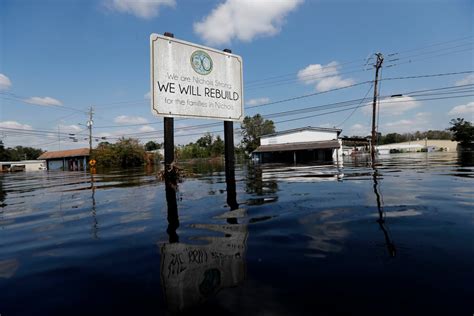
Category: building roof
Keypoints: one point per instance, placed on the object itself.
(307, 128)
(298, 146)
(80, 152)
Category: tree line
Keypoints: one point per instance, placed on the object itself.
(129, 152)
(18, 153)
(461, 131)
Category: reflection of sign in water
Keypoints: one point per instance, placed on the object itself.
(192, 273)
(190, 80)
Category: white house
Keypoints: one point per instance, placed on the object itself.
(23, 165)
(300, 145)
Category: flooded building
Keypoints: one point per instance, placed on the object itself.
(300, 145)
(428, 145)
(72, 159)
(23, 165)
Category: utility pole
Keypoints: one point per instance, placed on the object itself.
(377, 66)
(89, 125)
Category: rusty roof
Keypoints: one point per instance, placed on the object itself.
(298, 146)
(65, 153)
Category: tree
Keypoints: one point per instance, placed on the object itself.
(126, 152)
(205, 147)
(463, 131)
(217, 147)
(4, 154)
(151, 145)
(18, 153)
(252, 129)
(205, 141)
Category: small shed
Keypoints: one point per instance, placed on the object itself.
(300, 145)
(72, 159)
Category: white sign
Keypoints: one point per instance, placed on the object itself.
(189, 80)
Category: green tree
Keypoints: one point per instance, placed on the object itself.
(126, 152)
(205, 147)
(391, 138)
(252, 129)
(463, 131)
(4, 154)
(19, 153)
(205, 141)
(151, 145)
(217, 147)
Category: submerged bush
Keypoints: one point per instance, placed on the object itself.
(126, 152)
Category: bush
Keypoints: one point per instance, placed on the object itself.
(126, 152)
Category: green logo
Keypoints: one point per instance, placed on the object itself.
(201, 62)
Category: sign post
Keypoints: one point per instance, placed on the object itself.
(168, 134)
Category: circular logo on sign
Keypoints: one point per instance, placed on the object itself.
(201, 62)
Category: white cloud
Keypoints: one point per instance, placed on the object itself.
(125, 119)
(468, 80)
(394, 106)
(359, 130)
(244, 20)
(463, 109)
(146, 128)
(147, 95)
(421, 121)
(69, 128)
(5, 82)
(144, 9)
(325, 77)
(45, 101)
(16, 125)
(258, 101)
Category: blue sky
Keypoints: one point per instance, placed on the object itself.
(57, 58)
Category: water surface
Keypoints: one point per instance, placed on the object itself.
(291, 240)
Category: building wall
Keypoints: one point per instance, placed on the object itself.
(448, 144)
(298, 137)
(337, 153)
(30, 165)
(69, 163)
(34, 165)
(435, 144)
(55, 164)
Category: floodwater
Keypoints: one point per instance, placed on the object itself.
(279, 240)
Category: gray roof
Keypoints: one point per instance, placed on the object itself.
(298, 146)
(307, 128)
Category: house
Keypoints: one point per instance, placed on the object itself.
(418, 145)
(300, 145)
(23, 165)
(72, 159)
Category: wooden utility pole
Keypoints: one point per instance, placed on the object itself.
(89, 125)
(377, 66)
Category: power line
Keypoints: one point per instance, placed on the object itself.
(293, 73)
(359, 105)
(294, 112)
(259, 105)
(429, 76)
(316, 108)
(431, 45)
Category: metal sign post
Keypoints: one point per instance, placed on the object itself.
(168, 134)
